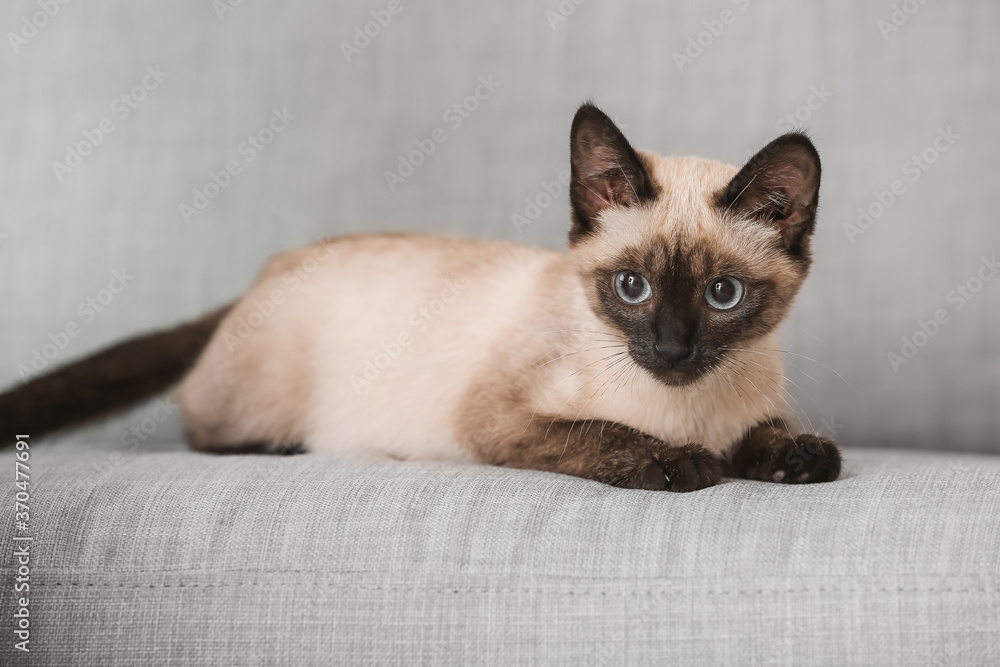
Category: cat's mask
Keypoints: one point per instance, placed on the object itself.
(689, 258)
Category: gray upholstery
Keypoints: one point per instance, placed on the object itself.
(169, 557)
(324, 174)
(178, 558)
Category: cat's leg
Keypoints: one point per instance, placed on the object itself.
(259, 447)
(771, 453)
(220, 446)
(608, 452)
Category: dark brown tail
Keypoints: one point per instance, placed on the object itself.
(107, 382)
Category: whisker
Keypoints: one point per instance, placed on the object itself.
(770, 419)
(613, 334)
(617, 164)
(625, 367)
(777, 385)
(575, 419)
(739, 393)
(775, 372)
(741, 193)
(535, 367)
(832, 370)
(771, 356)
(799, 413)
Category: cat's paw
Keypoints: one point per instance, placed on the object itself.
(804, 459)
(677, 468)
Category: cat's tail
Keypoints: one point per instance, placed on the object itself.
(107, 382)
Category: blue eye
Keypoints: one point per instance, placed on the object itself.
(632, 287)
(724, 293)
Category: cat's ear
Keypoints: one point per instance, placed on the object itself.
(779, 186)
(605, 171)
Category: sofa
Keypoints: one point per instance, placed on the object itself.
(144, 553)
(164, 556)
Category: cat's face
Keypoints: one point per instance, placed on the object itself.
(688, 259)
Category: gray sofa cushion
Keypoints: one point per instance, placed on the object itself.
(180, 558)
(889, 95)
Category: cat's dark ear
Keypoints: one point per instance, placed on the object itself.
(779, 186)
(605, 171)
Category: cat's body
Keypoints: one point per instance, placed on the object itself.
(646, 357)
(334, 369)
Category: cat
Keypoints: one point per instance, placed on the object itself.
(646, 357)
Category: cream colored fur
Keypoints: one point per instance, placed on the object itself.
(508, 336)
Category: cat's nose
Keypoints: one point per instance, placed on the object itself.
(673, 352)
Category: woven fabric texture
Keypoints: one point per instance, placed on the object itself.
(178, 558)
(877, 100)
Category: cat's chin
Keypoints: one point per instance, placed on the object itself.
(684, 376)
(684, 381)
(688, 373)
(678, 378)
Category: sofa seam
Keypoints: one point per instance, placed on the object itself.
(481, 589)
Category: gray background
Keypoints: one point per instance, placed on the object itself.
(323, 175)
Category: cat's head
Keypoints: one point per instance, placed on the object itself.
(688, 258)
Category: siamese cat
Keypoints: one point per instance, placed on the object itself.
(646, 357)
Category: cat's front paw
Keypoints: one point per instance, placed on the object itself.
(802, 459)
(770, 453)
(677, 468)
(811, 458)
